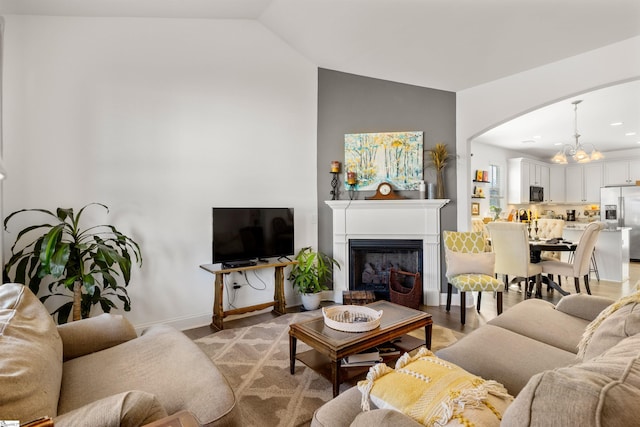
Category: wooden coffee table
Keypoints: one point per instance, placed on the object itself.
(330, 346)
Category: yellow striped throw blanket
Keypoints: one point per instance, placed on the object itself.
(435, 392)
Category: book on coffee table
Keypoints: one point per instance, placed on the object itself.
(371, 355)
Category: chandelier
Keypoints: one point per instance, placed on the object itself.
(577, 151)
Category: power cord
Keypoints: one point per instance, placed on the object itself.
(264, 284)
(230, 298)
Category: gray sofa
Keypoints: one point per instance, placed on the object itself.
(98, 372)
(532, 349)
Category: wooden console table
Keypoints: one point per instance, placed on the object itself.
(278, 302)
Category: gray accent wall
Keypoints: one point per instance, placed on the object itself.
(349, 103)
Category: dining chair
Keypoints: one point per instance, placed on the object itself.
(547, 228)
(470, 268)
(477, 224)
(510, 243)
(581, 259)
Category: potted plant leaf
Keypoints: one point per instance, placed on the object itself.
(79, 263)
(311, 274)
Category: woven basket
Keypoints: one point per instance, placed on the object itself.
(351, 318)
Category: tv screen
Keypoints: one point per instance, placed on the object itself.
(242, 234)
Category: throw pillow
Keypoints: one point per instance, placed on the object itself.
(470, 263)
(618, 321)
(434, 392)
(603, 391)
(31, 355)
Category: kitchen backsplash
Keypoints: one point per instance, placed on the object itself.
(583, 213)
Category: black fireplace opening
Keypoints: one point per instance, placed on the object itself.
(371, 260)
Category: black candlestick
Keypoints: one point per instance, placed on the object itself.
(352, 190)
(335, 181)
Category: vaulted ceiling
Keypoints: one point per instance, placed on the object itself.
(443, 44)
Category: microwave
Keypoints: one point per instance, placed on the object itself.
(536, 194)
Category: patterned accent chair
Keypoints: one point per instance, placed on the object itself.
(470, 268)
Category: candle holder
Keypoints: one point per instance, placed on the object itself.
(529, 228)
(335, 182)
(536, 228)
(352, 190)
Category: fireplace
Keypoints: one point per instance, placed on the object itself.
(409, 219)
(371, 260)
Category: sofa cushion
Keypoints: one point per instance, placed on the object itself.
(129, 409)
(163, 362)
(618, 321)
(505, 356)
(339, 411)
(383, 417)
(584, 306)
(603, 391)
(94, 334)
(434, 392)
(31, 355)
(533, 317)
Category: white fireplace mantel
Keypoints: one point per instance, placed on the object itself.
(416, 219)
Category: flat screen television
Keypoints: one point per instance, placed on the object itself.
(242, 236)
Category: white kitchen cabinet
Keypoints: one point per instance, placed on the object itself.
(574, 182)
(583, 182)
(621, 172)
(592, 182)
(523, 173)
(556, 185)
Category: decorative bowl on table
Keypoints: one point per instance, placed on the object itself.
(351, 318)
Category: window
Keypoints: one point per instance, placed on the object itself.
(495, 199)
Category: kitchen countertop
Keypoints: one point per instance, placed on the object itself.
(569, 225)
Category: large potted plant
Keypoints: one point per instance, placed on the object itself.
(311, 274)
(79, 263)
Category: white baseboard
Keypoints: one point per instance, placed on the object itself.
(180, 323)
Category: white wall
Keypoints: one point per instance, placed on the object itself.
(160, 120)
(482, 157)
(483, 107)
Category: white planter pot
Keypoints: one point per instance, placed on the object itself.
(311, 301)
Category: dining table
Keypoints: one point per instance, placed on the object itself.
(555, 245)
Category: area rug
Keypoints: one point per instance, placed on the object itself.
(255, 360)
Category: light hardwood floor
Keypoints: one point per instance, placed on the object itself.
(474, 319)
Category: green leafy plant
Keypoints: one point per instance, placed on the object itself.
(312, 272)
(496, 211)
(83, 261)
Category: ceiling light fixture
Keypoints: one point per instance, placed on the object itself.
(577, 151)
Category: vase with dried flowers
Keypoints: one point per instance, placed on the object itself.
(439, 157)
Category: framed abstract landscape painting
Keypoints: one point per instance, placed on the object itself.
(394, 157)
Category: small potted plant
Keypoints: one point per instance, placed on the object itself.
(311, 274)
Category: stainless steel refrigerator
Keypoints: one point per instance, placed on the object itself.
(620, 206)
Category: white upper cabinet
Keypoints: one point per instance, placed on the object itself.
(621, 172)
(523, 173)
(592, 182)
(518, 178)
(583, 183)
(556, 185)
